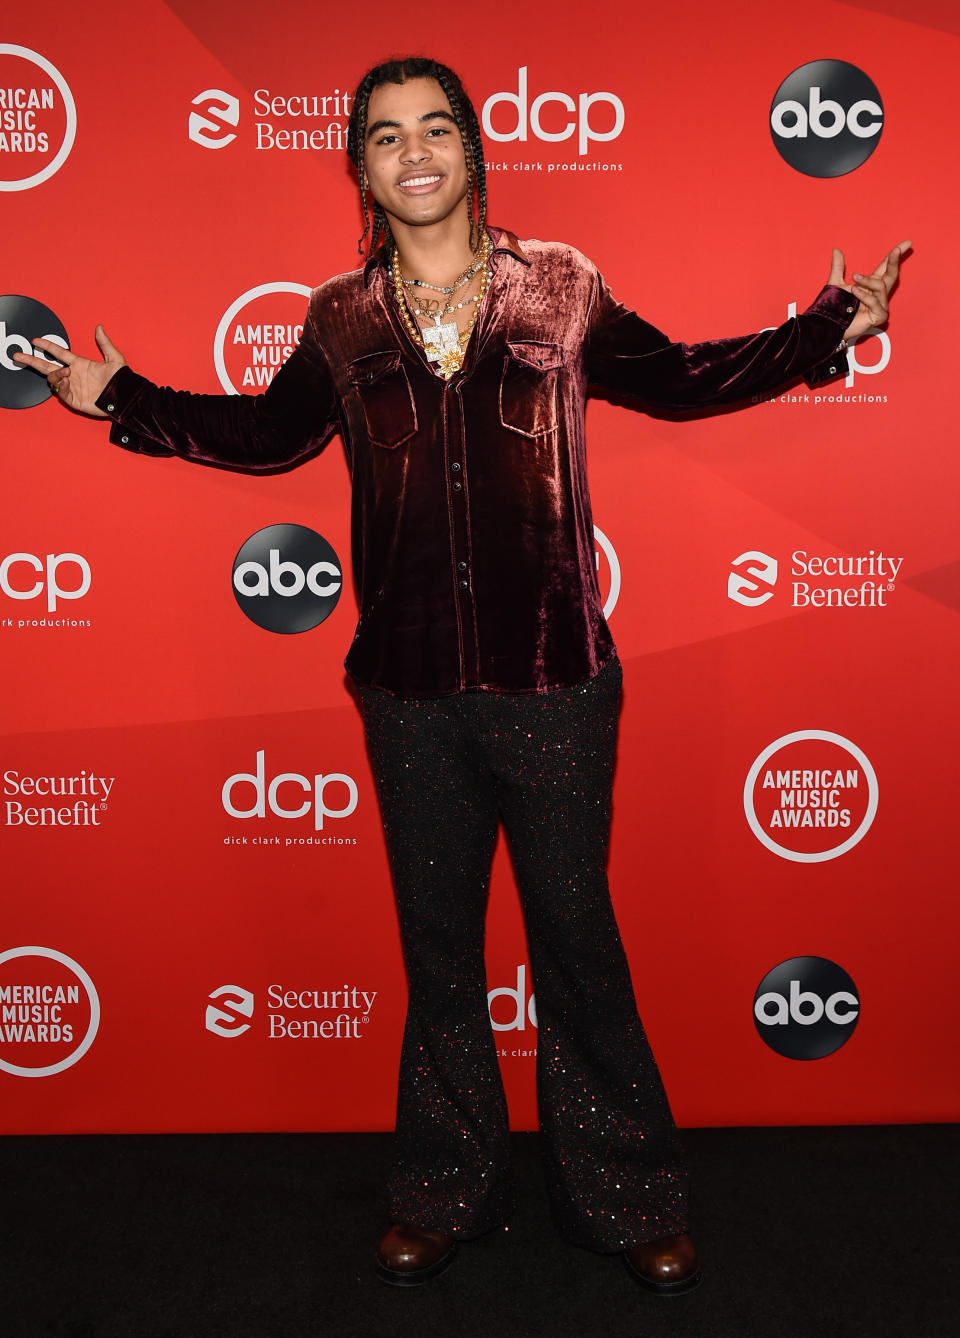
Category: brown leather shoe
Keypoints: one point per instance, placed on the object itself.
(668, 1266)
(409, 1255)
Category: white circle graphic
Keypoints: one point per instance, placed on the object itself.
(817, 856)
(613, 562)
(70, 107)
(235, 307)
(92, 996)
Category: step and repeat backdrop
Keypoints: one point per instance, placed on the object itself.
(197, 929)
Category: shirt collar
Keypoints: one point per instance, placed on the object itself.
(504, 243)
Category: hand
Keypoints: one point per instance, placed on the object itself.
(80, 382)
(872, 290)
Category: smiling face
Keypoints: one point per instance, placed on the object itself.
(414, 156)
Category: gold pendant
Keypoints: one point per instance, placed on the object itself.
(450, 361)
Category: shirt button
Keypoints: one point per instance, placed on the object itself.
(458, 487)
(833, 371)
(461, 566)
(849, 309)
(464, 585)
(111, 408)
(455, 466)
(124, 441)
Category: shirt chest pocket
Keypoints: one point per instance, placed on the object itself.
(528, 388)
(380, 383)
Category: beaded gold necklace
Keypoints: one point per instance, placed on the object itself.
(444, 344)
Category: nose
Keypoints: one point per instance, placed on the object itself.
(415, 153)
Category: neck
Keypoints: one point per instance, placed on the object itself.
(439, 251)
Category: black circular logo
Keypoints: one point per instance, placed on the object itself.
(287, 578)
(806, 1008)
(826, 118)
(21, 321)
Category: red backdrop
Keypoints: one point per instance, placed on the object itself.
(147, 691)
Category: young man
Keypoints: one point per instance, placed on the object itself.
(456, 365)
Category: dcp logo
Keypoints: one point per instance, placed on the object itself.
(752, 578)
(287, 578)
(580, 124)
(222, 109)
(310, 793)
(522, 1009)
(26, 585)
(226, 1019)
(21, 321)
(826, 118)
(806, 1008)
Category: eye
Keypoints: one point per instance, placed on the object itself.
(386, 139)
(438, 130)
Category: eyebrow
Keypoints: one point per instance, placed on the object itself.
(396, 125)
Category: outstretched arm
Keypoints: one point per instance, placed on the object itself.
(627, 355)
(291, 421)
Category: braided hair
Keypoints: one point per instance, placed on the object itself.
(398, 72)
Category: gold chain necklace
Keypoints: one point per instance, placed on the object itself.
(444, 344)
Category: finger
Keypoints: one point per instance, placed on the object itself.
(38, 364)
(871, 283)
(106, 346)
(892, 262)
(838, 265)
(55, 350)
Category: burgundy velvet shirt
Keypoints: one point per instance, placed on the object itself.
(473, 546)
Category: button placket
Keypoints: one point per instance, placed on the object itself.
(460, 539)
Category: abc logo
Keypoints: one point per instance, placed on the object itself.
(826, 118)
(287, 578)
(806, 1008)
(21, 321)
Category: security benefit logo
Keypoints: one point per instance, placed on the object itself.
(283, 120)
(291, 1012)
(29, 800)
(815, 580)
(38, 118)
(22, 320)
(38, 585)
(49, 1012)
(287, 579)
(811, 796)
(826, 118)
(806, 1008)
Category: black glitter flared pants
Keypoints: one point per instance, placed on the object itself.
(448, 770)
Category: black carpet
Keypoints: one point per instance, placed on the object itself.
(837, 1233)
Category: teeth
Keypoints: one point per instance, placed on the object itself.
(418, 181)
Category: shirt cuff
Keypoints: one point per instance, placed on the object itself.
(118, 396)
(838, 307)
